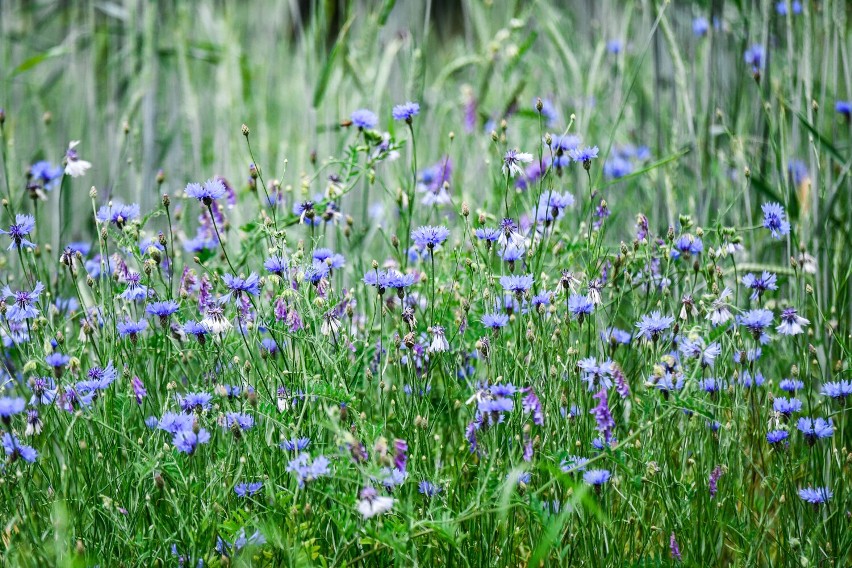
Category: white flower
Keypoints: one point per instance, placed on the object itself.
(512, 162)
(74, 166)
(376, 506)
(439, 341)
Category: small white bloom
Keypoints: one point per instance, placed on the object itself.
(376, 506)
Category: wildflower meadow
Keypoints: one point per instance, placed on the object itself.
(438, 283)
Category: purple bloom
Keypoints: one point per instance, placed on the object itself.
(428, 488)
(651, 326)
(43, 389)
(138, 389)
(838, 390)
(786, 406)
(596, 477)
(756, 321)
(212, 190)
(602, 415)
(248, 489)
(239, 285)
(791, 385)
(239, 421)
(759, 285)
(46, 174)
(118, 213)
(781, 7)
(674, 548)
(195, 401)
(584, 155)
(363, 118)
(754, 56)
(329, 257)
(131, 328)
(517, 283)
(23, 226)
(814, 429)
(162, 309)
(22, 308)
(580, 306)
(295, 444)
(306, 470)
(406, 111)
(187, 441)
(700, 26)
(276, 265)
(429, 236)
(15, 449)
(10, 406)
(777, 436)
(712, 484)
(815, 495)
(532, 405)
(775, 220)
(844, 108)
(495, 321)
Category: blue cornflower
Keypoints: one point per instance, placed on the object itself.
(195, 401)
(754, 56)
(711, 385)
(838, 390)
(46, 174)
(131, 329)
(43, 389)
(363, 118)
(759, 284)
(786, 406)
(573, 464)
(652, 325)
(580, 306)
(118, 213)
(700, 26)
(295, 444)
(781, 7)
(276, 265)
(135, 290)
(378, 279)
(316, 272)
(815, 495)
(791, 385)
(239, 285)
(747, 380)
(15, 449)
(518, 284)
(22, 308)
(844, 108)
(774, 219)
(617, 167)
(429, 236)
(511, 254)
(333, 260)
(162, 309)
(614, 46)
(551, 206)
(406, 111)
(596, 375)
(400, 281)
(815, 428)
(584, 155)
(10, 406)
(172, 422)
(603, 416)
(512, 161)
(487, 234)
(687, 244)
(495, 321)
(428, 488)
(196, 329)
(777, 436)
(616, 336)
(239, 421)
(306, 470)
(596, 477)
(186, 441)
(756, 321)
(212, 190)
(23, 226)
(248, 489)
(57, 360)
(99, 378)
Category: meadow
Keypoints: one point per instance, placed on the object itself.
(450, 283)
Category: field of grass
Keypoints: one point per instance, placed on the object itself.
(451, 283)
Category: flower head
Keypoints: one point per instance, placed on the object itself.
(210, 191)
(429, 236)
(363, 118)
(74, 166)
(815, 495)
(596, 477)
(651, 326)
(791, 322)
(22, 307)
(23, 226)
(774, 219)
(406, 111)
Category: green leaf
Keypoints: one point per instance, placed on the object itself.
(36, 60)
